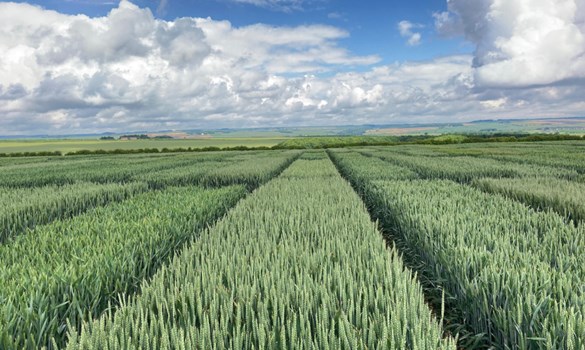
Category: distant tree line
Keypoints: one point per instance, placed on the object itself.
(136, 137)
(166, 150)
(32, 154)
(320, 142)
(360, 141)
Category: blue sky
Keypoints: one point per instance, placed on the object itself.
(73, 66)
(372, 25)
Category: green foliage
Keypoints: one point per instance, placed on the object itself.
(296, 265)
(165, 150)
(31, 154)
(136, 136)
(252, 171)
(28, 160)
(335, 141)
(73, 270)
(248, 169)
(113, 151)
(314, 155)
(364, 168)
(510, 273)
(565, 197)
(27, 207)
(556, 156)
(99, 169)
(568, 155)
(465, 169)
(449, 139)
(496, 138)
(366, 140)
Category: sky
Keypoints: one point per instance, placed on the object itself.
(92, 66)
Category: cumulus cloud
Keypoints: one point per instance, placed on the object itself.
(278, 5)
(129, 68)
(407, 30)
(280, 49)
(131, 71)
(448, 24)
(521, 43)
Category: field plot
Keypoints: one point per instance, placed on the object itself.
(510, 273)
(566, 154)
(56, 275)
(567, 198)
(27, 207)
(73, 270)
(297, 265)
(406, 247)
(250, 169)
(465, 169)
(91, 169)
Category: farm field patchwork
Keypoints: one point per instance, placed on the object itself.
(72, 145)
(403, 247)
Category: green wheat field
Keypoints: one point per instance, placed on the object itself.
(468, 246)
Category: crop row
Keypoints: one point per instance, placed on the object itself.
(567, 155)
(513, 274)
(567, 198)
(210, 169)
(362, 169)
(249, 169)
(296, 265)
(466, 169)
(541, 187)
(25, 160)
(96, 169)
(559, 159)
(73, 270)
(28, 207)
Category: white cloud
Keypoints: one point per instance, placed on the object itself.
(130, 71)
(494, 104)
(280, 49)
(162, 6)
(522, 43)
(94, 2)
(448, 24)
(278, 5)
(337, 15)
(406, 30)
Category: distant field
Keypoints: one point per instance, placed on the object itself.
(11, 146)
(568, 126)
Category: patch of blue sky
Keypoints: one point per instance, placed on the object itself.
(371, 25)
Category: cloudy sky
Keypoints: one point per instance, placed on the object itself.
(73, 66)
